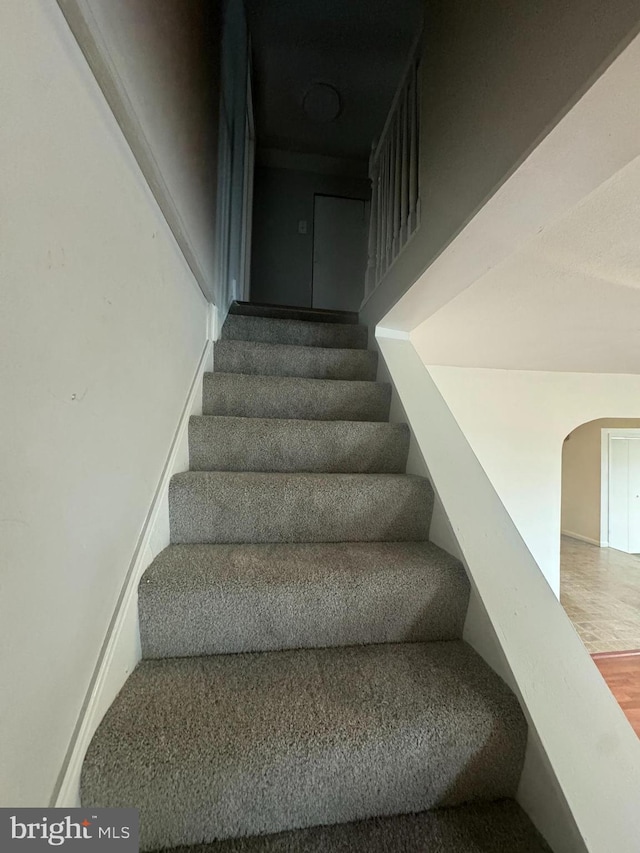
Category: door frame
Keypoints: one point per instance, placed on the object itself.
(249, 173)
(605, 439)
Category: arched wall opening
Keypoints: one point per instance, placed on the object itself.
(600, 579)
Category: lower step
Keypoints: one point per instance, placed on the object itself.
(231, 745)
(287, 445)
(224, 507)
(217, 599)
(281, 360)
(268, 330)
(500, 827)
(244, 396)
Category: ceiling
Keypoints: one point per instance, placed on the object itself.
(358, 47)
(569, 300)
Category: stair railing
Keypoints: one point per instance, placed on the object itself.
(394, 175)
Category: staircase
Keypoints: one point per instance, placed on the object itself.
(304, 685)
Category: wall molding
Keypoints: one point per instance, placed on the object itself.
(628, 653)
(93, 45)
(581, 538)
(120, 651)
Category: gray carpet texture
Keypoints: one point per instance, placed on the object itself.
(304, 687)
(284, 360)
(288, 312)
(267, 330)
(289, 445)
(226, 506)
(246, 396)
(231, 745)
(208, 600)
(499, 827)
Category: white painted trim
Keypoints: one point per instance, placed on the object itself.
(213, 323)
(605, 437)
(93, 45)
(121, 648)
(412, 57)
(579, 537)
(604, 487)
(248, 182)
(393, 334)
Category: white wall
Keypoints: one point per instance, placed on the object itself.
(518, 625)
(516, 422)
(581, 477)
(102, 327)
(282, 259)
(158, 63)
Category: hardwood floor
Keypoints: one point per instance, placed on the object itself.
(621, 671)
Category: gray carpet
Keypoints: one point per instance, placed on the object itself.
(283, 360)
(207, 600)
(228, 745)
(295, 332)
(500, 827)
(303, 669)
(289, 445)
(227, 506)
(247, 396)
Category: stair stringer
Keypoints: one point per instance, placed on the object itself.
(539, 793)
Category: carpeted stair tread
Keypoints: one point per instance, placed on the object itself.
(219, 599)
(268, 330)
(231, 745)
(500, 827)
(224, 507)
(245, 396)
(291, 312)
(275, 444)
(285, 360)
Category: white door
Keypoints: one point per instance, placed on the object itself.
(339, 252)
(624, 494)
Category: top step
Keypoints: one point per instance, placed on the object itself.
(290, 312)
(267, 330)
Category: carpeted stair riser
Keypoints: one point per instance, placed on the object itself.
(256, 444)
(500, 827)
(225, 507)
(283, 360)
(286, 312)
(295, 332)
(224, 599)
(231, 745)
(237, 395)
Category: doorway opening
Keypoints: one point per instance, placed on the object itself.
(600, 550)
(600, 524)
(337, 130)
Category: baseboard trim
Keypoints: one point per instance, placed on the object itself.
(120, 651)
(629, 653)
(580, 537)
